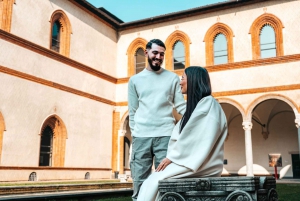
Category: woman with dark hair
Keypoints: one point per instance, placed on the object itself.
(196, 147)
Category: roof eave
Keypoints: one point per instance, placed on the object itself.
(187, 13)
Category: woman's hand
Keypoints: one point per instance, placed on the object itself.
(163, 164)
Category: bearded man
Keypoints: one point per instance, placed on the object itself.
(152, 95)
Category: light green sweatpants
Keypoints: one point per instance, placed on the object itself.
(144, 150)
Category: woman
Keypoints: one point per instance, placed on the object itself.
(196, 147)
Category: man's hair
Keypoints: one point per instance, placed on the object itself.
(157, 42)
(198, 87)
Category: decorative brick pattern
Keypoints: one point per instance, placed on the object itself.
(65, 32)
(209, 42)
(133, 47)
(170, 42)
(256, 27)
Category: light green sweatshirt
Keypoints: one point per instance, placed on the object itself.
(151, 98)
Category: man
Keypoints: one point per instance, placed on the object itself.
(152, 94)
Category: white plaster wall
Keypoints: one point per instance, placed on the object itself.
(92, 42)
(25, 105)
(238, 19)
(234, 147)
(256, 77)
(32, 63)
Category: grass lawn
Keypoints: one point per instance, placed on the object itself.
(286, 192)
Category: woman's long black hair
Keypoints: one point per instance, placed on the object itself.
(198, 87)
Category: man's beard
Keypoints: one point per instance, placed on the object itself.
(154, 68)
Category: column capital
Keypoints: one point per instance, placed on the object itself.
(247, 125)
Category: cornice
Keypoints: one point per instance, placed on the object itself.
(249, 64)
(254, 63)
(117, 24)
(187, 13)
(104, 16)
(257, 90)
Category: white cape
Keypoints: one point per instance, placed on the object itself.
(200, 145)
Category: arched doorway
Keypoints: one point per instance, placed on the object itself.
(53, 142)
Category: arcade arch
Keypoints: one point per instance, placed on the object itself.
(274, 131)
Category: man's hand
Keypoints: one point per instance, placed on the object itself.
(164, 163)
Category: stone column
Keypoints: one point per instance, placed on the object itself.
(297, 121)
(247, 126)
(121, 135)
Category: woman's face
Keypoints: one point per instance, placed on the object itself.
(183, 84)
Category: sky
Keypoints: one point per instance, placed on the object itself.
(131, 10)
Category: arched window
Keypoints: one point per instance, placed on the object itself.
(53, 142)
(32, 176)
(60, 33)
(46, 147)
(140, 63)
(219, 44)
(135, 50)
(178, 56)
(55, 42)
(220, 49)
(177, 51)
(266, 36)
(267, 42)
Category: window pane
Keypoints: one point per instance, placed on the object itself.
(220, 50)
(55, 43)
(46, 147)
(139, 60)
(267, 42)
(178, 56)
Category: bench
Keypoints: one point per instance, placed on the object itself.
(218, 189)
